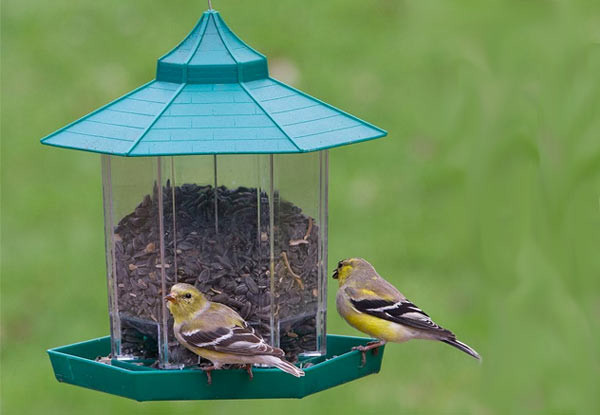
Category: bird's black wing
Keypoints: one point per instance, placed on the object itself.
(401, 312)
(234, 340)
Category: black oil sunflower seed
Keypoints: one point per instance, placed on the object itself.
(231, 266)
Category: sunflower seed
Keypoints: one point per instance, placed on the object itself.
(231, 266)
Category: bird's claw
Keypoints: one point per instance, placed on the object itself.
(249, 370)
(363, 355)
(208, 370)
(374, 346)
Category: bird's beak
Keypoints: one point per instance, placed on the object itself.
(171, 298)
(335, 274)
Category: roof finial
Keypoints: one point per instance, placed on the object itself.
(210, 5)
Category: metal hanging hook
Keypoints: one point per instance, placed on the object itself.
(210, 5)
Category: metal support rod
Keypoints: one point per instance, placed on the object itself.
(273, 323)
(164, 351)
(258, 191)
(216, 191)
(210, 5)
(174, 213)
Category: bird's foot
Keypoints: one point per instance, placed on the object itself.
(374, 346)
(249, 370)
(208, 370)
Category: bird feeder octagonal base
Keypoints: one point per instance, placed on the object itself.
(77, 364)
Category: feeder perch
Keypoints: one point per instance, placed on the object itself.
(216, 175)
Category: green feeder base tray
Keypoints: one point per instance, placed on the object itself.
(76, 364)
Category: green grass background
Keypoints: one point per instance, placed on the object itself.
(482, 205)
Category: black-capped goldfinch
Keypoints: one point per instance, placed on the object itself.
(374, 306)
(217, 333)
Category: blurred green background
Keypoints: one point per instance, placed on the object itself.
(482, 205)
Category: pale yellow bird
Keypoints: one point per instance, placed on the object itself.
(219, 334)
(374, 306)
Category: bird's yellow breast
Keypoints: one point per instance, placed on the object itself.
(379, 328)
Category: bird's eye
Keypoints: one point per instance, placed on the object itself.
(188, 295)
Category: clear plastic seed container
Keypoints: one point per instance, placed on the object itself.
(249, 231)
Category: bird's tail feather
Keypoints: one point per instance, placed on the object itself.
(461, 346)
(285, 366)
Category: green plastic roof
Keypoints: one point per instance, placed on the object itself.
(213, 95)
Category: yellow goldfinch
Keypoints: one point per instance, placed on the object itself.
(374, 306)
(217, 333)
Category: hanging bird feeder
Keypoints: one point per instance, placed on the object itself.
(216, 175)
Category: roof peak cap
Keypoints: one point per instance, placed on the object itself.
(211, 53)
